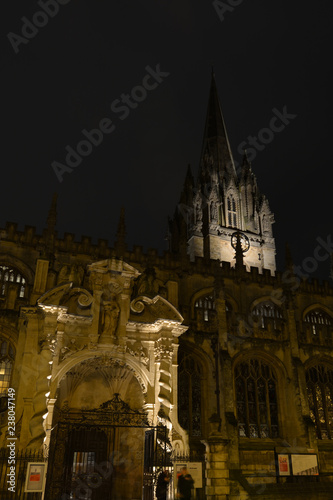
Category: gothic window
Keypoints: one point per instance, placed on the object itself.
(317, 324)
(319, 382)
(232, 213)
(11, 275)
(268, 313)
(189, 394)
(206, 305)
(7, 356)
(257, 409)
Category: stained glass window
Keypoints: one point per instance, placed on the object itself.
(257, 409)
(319, 381)
(11, 275)
(189, 394)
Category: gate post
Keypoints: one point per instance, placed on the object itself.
(217, 468)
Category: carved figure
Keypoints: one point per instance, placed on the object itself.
(213, 211)
(149, 285)
(110, 317)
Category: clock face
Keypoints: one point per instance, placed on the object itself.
(243, 239)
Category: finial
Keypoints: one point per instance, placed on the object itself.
(245, 158)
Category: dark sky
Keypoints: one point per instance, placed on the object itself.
(266, 55)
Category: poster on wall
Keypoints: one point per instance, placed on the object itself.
(283, 465)
(193, 468)
(34, 480)
(304, 465)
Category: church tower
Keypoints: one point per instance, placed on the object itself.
(223, 204)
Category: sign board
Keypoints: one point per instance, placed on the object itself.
(304, 465)
(283, 465)
(35, 477)
(194, 468)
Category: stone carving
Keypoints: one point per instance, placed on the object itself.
(140, 354)
(197, 226)
(267, 219)
(148, 284)
(213, 211)
(47, 342)
(67, 351)
(146, 310)
(110, 316)
(73, 273)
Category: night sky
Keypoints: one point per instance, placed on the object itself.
(267, 56)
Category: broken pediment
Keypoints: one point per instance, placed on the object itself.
(113, 272)
(147, 310)
(75, 300)
(114, 266)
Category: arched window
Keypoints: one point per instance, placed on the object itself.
(268, 313)
(232, 213)
(189, 394)
(257, 410)
(11, 275)
(318, 327)
(7, 355)
(319, 382)
(206, 305)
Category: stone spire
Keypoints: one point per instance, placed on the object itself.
(246, 165)
(120, 243)
(222, 201)
(216, 156)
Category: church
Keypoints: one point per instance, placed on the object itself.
(117, 363)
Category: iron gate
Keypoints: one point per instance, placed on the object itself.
(23, 457)
(109, 453)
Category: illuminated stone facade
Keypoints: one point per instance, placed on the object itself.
(209, 342)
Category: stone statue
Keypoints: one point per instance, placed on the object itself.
(110, 316)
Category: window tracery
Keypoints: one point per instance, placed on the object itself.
(319, 382)
(207, 305)
(232, 212)
(11, 275)
(256, 399)
(268, 314)
(318, 327)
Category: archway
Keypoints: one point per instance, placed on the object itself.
(102, 444)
